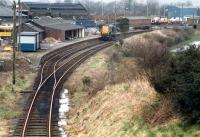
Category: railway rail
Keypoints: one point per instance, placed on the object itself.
(40, 114)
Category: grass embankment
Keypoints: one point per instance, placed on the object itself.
(10, 107)
(111, 94)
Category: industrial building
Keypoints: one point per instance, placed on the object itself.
(64, 10)
(180, 11)
(56, 28)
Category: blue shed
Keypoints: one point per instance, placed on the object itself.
(29, 41)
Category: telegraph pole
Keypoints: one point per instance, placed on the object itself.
(19, 22)
(182, 11)
(115, 12)
(147, 8)
(164, 11)
(14, 41)
(102, 8)
(124, 9)
(134, 8)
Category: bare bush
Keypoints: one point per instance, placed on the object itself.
(152, 52)
(152, 47)
(159, 112)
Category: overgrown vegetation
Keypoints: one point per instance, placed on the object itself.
(152, 47)
(179, 77)
(123, 24)
(175, 76)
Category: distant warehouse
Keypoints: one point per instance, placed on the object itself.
(179, 12)
(6, 16)
(64, 10)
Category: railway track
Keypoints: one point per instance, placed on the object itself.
(40, 114)
(40, 118)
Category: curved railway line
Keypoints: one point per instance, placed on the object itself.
(40, 114)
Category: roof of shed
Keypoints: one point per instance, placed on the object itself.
(33, 27)
(46, 20)
(28, 33)
(64, 26)
(7, 12)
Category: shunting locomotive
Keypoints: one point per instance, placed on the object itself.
(108, 32)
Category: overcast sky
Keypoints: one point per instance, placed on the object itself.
(194, 2)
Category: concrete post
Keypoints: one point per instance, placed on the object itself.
(72, 34)
(83, 33)
(80, 33)
(77, 33)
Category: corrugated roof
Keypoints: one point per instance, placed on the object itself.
(7, 12)
(46, 20)
(33, 27)
(64, 26)
(54, 6)
(28, 33)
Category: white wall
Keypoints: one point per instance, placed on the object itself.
(28, 39)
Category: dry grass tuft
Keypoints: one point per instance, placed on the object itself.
(104, 115)
(4, 128)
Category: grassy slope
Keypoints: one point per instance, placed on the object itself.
(123, 92)
(10, 100)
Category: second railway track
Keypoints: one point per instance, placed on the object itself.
(40, 117)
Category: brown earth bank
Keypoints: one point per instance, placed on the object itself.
(111, 94)
(11, 100)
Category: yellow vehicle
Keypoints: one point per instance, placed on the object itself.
(8, 49)
(107, 32)
(6, 31)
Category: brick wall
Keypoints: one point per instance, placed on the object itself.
(57, 34)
